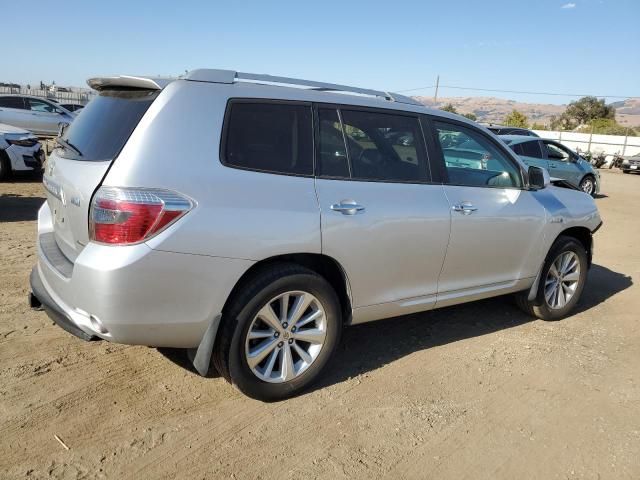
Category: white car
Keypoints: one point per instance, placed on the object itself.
(19, 151)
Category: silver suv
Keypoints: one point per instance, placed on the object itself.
(249, 218)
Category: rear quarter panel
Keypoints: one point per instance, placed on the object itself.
(239, 213)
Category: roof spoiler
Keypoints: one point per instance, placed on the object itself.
(126, 81)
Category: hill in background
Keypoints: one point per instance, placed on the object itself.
(493, 110)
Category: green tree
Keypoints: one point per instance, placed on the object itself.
(538, 126)
(471, 116)
(608, 126)
(586, 109)
(449, 108)
(516, 119)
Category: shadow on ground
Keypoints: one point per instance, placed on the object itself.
(370, 346)
(16, 208)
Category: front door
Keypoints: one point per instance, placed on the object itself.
(560, 163)
(45, 117)
(381, 218)
(495, 222)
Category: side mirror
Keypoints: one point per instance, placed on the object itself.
(539, 178)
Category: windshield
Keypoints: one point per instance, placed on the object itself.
(103, 127)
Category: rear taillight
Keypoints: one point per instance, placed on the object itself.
(121, 216)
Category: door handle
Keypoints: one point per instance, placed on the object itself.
(347, 207)
(465, 208)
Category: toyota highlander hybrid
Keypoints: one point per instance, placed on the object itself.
(250, 218)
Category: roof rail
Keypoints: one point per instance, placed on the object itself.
(230, 76)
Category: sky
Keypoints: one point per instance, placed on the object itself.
(557, 46)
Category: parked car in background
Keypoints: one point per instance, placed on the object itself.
(38, 115)
(302, 211)
(506, 130)
(20, 151)
(560, 161)
(631, 164)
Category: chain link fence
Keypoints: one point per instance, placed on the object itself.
(80, 96)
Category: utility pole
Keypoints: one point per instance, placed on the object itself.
(435, 97)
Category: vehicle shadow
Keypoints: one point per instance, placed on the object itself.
(370, 346)
(17, 208)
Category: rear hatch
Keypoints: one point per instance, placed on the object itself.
(84, 154)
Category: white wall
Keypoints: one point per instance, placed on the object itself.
(609, 144)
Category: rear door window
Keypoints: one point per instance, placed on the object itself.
(106, 123)
(12, 102)
(332, 153)
(269, 137)
(384, 147)
(528, 149)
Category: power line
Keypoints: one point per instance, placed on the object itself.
(518, 91)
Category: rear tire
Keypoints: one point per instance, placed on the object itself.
(291, 363)
(547, 304)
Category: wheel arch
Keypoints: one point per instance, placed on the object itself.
(324, 265)
(583, 235)
(579, 233)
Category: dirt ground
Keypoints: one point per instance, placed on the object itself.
(474, 391)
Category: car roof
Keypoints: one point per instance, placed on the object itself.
(267, 86)
(515, 139)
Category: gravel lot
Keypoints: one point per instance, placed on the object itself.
(474, 391)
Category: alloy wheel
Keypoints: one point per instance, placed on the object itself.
(562, 280)
(587, 186)
(285, 337)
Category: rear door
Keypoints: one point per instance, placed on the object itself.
(13, 111)
(531, 153)
(382, 218)
(73, 172)
(495, 223)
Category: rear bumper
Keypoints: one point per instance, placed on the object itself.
(39, 297)
(131, 294)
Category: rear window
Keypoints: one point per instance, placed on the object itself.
(12, 102)
(269, 137)
(103, 127)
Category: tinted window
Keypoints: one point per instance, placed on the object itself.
(384, 146)
(554, 152)
(106, 123)
(472, 159)
(332, 153)
(270, 137)
(528, 149)
(11, 102)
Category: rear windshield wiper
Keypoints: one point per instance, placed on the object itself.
(68, 146)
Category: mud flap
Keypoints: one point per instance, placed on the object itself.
(201, 357)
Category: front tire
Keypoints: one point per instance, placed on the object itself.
(278, 332)
(588, 185)
(562, 280)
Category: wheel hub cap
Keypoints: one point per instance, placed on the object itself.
(285, 337)
(562, 280)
